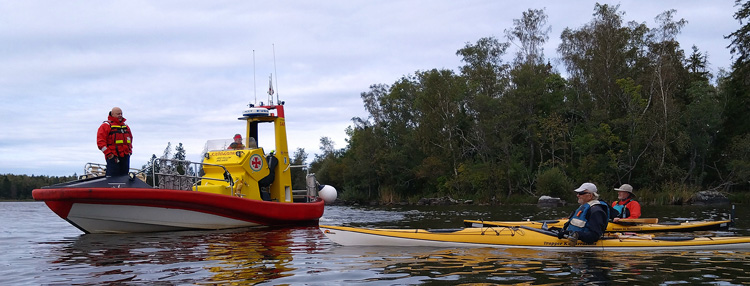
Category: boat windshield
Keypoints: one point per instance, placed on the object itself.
(217, 145)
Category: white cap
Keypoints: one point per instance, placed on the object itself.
(591, 188)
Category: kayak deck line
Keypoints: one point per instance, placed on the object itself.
(614, 227)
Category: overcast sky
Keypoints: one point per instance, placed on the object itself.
(183, 71)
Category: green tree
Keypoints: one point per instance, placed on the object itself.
(441, 126)
(327, 166)
(529, 34)
(179, 154)
(736, 91)
(487, 80)
(5, 188)
(299, 175)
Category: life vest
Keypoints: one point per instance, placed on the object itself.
(578, 220)
(622, 209)
(236, 146)
(119, 139)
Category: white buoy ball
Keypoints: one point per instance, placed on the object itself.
(328, 194)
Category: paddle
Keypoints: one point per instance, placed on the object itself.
(542, 231)
(480, 223)
(639, 220)
(618, 236)
(470, 223)
(630, 235)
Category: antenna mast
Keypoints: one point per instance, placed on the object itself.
(277, 74)
(255, 90)
(270, 89)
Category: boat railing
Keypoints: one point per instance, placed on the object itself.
(92, 170)
(182, 174)
(311, 186)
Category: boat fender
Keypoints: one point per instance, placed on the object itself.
(328, 194)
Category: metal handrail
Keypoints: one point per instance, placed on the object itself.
(91, 170)
(194, 179)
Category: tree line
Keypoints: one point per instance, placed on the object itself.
(19, 187)
(630, 106)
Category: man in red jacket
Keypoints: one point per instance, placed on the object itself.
(115, 141)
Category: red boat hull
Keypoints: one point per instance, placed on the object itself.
(122, 210)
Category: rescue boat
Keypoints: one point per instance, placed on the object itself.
(651, 225)
(523, 237)
(245, 187)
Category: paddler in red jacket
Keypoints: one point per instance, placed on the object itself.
(626, 204)
(114, 139)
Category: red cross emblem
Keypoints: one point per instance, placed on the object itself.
(255, 162)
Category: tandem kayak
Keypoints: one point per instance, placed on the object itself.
(521, 237)
(613, 227)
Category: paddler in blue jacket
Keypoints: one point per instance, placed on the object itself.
(589, 221)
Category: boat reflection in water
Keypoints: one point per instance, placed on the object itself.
(251, 257)
(224, 256)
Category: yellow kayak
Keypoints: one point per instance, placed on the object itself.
(520, 237)
(613, 227)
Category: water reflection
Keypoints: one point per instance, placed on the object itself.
(251, 256)
(526, 266)
(246, 255)
(296, 256)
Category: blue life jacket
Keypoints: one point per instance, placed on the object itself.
(578, 220)
(622, 209)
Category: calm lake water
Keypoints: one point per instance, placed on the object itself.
(39, 248)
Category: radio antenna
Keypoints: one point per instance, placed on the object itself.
(277, 74)
(255, 89)
(270, 89)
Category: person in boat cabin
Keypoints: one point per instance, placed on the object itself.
(251, 144)
(237, 144)
(589, 221)
(115, 140)
(626, 203)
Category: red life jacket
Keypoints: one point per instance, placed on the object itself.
(115, 138)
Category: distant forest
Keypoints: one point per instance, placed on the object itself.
(631, 106)
(19, 187)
